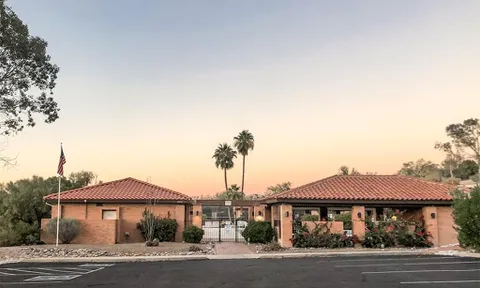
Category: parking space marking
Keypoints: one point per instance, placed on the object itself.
(96, 265)
(442, 282)
(62, 271)
(408, 264)
(386, 259)
(52, 278)
(418, 271)
(27, 271)
(7, 274)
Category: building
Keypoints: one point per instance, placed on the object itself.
(109, 212)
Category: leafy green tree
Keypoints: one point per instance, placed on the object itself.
(422, 169)
(278, 188)
(22, 206)
(344, 170)
(466, 136)
(466, 169)
(466, 211)
(26, 75)
(223, 156)
(453, 158)
(244, 142)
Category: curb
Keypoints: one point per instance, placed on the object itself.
(115, 259)
(233, 257)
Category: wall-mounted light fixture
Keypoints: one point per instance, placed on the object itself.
(432, 215)
(359, 214)
(197, 213)
(287, 214)
(191, 212)
(259, 213)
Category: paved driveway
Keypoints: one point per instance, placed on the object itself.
(342, 272)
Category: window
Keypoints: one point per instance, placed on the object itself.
(109, 214)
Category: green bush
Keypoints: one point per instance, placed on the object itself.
(466, 214)
(346, 218)
(309, 217)
(68, 229)
(258, 232)
(9, 238)
(320, 237)
(193, 234)
(151, 227)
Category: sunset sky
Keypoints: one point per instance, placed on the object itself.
(149, 88)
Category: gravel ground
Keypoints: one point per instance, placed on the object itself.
(118, 250)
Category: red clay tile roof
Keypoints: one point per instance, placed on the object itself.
(128, 189)
(370, 187)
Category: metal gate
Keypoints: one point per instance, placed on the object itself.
(217, 230)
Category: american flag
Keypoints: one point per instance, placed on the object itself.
(62, 162)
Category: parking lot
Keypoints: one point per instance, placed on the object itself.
(342, 272)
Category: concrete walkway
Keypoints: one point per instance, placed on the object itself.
(232, 248)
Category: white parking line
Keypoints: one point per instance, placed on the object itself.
(409, 264)
(386, 259)
(27, 271)
(442, 282)
(6, 274)
(418, 271)
(23, 283)
(61, 271)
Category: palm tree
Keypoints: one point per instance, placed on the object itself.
(223, 156)
(244, 142)
(233, 193)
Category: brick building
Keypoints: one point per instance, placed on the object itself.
(109, 212)
(366, 196)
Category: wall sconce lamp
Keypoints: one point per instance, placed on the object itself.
(359, 214)
(253, 214)
(191, 212)
(432, 215)
(259, 213)
(197, 213)
(287, 214)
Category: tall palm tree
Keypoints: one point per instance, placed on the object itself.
(244, 142)
(223, 156)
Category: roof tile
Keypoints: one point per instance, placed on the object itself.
(128, 189)
(370, 187)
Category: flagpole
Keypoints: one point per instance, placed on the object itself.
(58, 196)
(58, 207)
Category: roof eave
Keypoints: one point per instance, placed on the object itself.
(117, 201)
(361, 202)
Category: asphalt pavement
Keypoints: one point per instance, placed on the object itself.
(340, 272)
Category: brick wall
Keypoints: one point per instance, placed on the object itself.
(128, 216)
(334, 226)
(446, 232)
(91, 232)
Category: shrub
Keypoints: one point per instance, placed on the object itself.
(164, 229)
(466, 214)
(258, 232)
(68, 229)
(155, 242)
(193, 234)
(308, 217)
(9, 238)
(346, 218)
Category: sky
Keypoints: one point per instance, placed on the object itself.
(148, 90)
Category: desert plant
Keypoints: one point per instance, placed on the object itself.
(68, 229)
(258, 232)
(193, 234)
(148, 243)
(153, 227)
(466, 214)
(155, 242)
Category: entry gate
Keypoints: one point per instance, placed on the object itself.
(218, 230)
